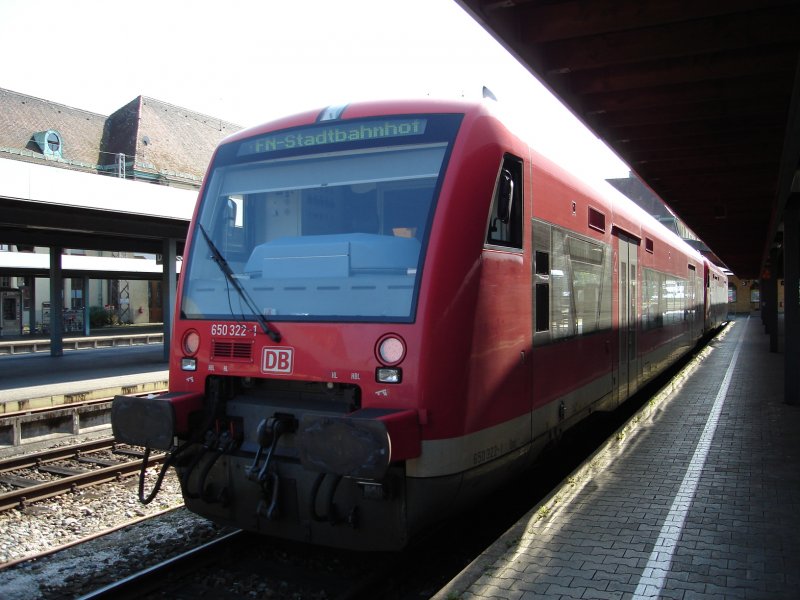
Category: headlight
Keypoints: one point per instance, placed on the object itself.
(390, 349)
(191, 342)
(388, 375)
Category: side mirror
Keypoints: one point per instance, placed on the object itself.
(505, 196)
(230, 212)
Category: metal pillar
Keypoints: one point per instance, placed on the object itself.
(168, 291)
(791, 314)
(86, 311)
(30, 283)
(56, 303)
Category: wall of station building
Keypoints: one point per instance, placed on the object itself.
(114, 302)
(744, 295)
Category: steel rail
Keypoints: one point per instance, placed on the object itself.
(49, 489)
(91, 537)
(151, 578)
(33, 459)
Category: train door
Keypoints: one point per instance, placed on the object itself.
(500, 387)
(628, 372)
(690, 308)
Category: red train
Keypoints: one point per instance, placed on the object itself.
(386, 309)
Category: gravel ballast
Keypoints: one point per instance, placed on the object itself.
(149, 537)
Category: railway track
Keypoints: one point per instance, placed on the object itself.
(152, 578)
(239, 564)
(40, 475)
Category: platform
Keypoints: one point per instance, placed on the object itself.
(29, 381)
(697, 497)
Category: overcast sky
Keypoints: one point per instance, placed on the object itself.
(249, 61)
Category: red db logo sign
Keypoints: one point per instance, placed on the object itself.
(277, 360)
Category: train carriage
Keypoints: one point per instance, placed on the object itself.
(386, 309)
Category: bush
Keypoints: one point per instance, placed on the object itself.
(97, 316)
(100, 317)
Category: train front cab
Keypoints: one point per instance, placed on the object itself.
(294, 379)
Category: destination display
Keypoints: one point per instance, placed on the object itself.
(334, 134)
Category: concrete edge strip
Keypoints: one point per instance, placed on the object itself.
(65, 400)
(571, 485)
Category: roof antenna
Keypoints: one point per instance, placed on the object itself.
(487, 93)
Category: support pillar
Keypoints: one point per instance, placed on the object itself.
(791, 315)
(56, 303)
(770, 291)
(168, 291)
(86, 311)
(30, 283)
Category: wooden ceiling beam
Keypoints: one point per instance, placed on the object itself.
(767, 27)
(733, 110)
(546, 22)
(750, 88)
(733, 66)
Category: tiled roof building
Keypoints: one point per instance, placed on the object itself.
(23, 117)
(146, 139)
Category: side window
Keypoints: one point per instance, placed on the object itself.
(571, 284)
(542, 287)
(505, 220)
(541, 235)
(590, 292)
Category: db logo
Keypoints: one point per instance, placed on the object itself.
(277, 360)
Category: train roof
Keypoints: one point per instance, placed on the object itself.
(626, 214)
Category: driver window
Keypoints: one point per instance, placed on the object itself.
(505, 219)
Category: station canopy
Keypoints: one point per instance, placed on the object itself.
(699, 98)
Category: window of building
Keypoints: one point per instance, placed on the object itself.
(76, 293)
(9, 309)
(53, 142)
(50, 143)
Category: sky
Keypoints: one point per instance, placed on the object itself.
(250, 61)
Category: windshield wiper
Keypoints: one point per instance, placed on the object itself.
(274, 335)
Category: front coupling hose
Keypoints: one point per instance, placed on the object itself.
(172, 454)
(269, 434)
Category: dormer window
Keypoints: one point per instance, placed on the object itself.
(53, 142)
(49, 142)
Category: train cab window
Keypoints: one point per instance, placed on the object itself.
(505, 220)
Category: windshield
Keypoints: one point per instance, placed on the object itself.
(334, 230)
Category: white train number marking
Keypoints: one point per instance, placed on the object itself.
(233, 330)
